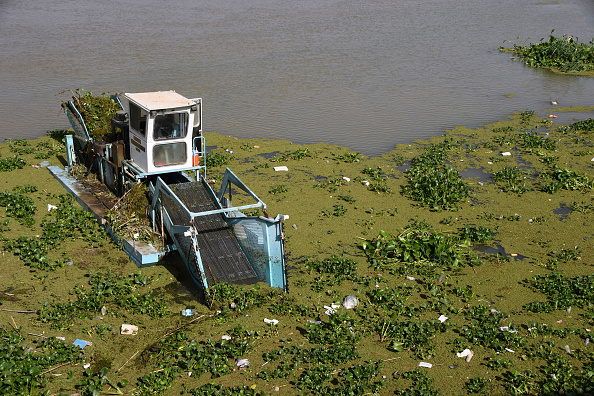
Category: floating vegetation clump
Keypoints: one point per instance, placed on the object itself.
(11, 163)
(418, 243)
(215, 158)
(565, 54)
(19, 206)
(432, 182)
(512, 179)
(65, 221)
(558, 178)
(23, 367)
(298, 154)
(562, 292)
(104, 292)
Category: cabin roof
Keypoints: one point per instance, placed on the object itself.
(159, 100)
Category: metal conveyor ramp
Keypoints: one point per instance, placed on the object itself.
(217, 242)
(222, 257)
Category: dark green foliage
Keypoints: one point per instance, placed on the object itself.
(417, 243)
(278, 189)
(214, 159)
(11, 163)
(104, 289)
(416, 336)
(377, 181)
(530, 140)
(339, 330)
(484, 330)
(432, 182)
(19, 206)
(348, 157)
(562, 53)
(478, 234)
(561, 292)
(65, 222)
(339, 268)
(227, 295)
(564, 179)
(21, 371)
(337, 211)
(295, 155)
(421, 384)
(585, 125)
(512, 179)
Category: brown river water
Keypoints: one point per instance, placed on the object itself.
(362, 74)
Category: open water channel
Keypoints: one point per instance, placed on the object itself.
(363, 74)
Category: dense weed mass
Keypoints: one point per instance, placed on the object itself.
(565, 54)
(397, 265)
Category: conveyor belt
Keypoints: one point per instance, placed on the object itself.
(222, 257)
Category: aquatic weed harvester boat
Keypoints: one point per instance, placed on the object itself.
(156, 139)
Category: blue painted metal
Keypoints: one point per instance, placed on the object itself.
(70, 156)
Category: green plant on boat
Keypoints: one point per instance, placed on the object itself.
(96, 110)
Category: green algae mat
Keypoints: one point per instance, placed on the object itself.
(457, 265)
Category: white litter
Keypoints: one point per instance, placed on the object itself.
(506, 328)
(128, 329)
(271, 321)
(50, 207)
(350, 302)
(410, 278)
(442, 318)
(281, 168)
(366, 183)
(506, 154)
(330, 310)
(225, 337)
(510, 350)
(424, 364)
(467, 353)
(242, 363)
(346, 179)
(567, 349)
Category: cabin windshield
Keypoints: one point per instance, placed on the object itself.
(170, 126)
(169, 154)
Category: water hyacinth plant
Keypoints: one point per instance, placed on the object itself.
(564, 53)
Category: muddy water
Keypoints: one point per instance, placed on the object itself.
(366, 75)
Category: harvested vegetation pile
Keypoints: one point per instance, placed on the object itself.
(96, 111)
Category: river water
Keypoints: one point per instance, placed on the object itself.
(363, 74)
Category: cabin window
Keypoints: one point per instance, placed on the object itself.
(138, 119)
(170, 126)
(169, 154)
